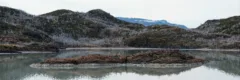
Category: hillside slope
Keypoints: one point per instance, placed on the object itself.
(172, 37)
(94, 28)
(224, 26)
(97, 28)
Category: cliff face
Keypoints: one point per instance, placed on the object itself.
(98, 28)
(229, 26)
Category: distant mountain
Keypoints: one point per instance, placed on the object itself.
(148, 22)
(229, 25)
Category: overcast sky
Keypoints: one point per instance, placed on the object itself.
(191, 13)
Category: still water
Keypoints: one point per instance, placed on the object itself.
(222, 65)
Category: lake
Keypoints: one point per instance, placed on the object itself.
(221, 65)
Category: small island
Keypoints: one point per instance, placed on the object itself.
(154, 59)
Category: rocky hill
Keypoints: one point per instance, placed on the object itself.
(97, 28)
(94, 28)
(172, 37)
(224, 26)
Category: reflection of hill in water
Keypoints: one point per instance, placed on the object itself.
(103, 72)
(228, 62)
(226, 66)
(15, 67)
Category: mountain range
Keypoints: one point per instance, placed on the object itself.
(148, 22)
(97, 28)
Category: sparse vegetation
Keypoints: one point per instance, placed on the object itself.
(167, 56)
(229, 26)
(99, 28)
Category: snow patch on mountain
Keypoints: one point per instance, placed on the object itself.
(148, 22)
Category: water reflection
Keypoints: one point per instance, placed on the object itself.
(14, 67)
(223, 60)
(102, 72)
(200, 73)
(222, 65)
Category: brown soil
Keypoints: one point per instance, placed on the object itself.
(163, 56)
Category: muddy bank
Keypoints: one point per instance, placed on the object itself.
(21, 49)
(155, 57)
(135, 48)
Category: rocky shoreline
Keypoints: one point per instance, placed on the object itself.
(11, 48)
(155, 59)
(136, 48)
